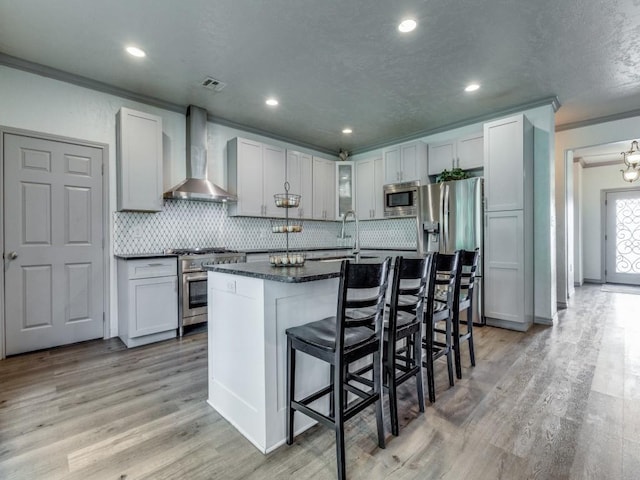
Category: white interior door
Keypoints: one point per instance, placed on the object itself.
(53, 235)
(622, 240)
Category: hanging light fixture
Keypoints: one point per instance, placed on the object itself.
(632, 161)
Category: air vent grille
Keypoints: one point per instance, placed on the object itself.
(211, 83)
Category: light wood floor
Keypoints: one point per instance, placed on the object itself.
(558, 402)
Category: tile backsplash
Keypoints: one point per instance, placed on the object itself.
(189, 224)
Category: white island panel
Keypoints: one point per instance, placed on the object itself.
(248, 318)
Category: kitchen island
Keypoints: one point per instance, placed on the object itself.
(250, 307)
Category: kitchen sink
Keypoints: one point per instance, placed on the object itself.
(339, 258)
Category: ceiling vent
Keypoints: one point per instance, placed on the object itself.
(211, 83)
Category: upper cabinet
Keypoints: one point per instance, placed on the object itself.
(139, 161)
(324, 189)
(406, 163)
(369, 194)
(465, 152)
(508, 170)
(256, 172)
(300, 178)
(470, 150)
(345, 188)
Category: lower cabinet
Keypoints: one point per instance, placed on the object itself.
(508, 270)
(147, 300)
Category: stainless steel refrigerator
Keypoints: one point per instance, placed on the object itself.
(451, 218)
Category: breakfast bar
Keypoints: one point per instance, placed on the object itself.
(250, 307)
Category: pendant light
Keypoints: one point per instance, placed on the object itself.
(632, 160)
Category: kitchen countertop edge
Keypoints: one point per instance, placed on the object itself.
(132, 256)
(265, 271)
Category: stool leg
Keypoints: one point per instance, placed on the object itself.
(377, 387)
(472, 354)
(332, 382)
(339, 397)
(456, 343)
(449, 347)
(417, 358)
(429, 362)
(291, 376)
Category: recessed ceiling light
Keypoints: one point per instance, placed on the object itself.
(407, 25)
(136, 52)
(347, 130)
(272, 102)
(472, 87)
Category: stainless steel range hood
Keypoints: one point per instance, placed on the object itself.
(196, 186)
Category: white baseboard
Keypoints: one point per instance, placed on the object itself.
(509, 325)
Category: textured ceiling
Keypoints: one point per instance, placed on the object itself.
(335, 64)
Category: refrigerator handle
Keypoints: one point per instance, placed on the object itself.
(444, 215)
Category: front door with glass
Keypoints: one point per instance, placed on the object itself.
(622, 237)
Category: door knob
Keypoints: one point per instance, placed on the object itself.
(12, 255)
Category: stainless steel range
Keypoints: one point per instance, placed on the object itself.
(192, 284)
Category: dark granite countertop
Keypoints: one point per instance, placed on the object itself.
(320, 249)
(309, 272)
(132, 256)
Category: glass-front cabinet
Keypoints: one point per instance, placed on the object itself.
(345, 191)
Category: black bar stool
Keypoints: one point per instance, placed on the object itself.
(469, 266)
(442, 290)
(406, 309)
(354, 333)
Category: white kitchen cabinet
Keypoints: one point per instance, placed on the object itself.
(256, 172)
(465, 152)
(300, 177)
(345, 188)
(324, 189)
(369, 193)
(139, 161)
(508, 261)
(470, 151)
(147, 300)
(508, 168)
(442, 156)
(406, 163)
(508, 270)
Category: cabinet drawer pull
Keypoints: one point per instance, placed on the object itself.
(155, 265)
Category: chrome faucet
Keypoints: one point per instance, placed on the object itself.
(356, 243)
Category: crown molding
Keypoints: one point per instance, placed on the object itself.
(61, 75)
(54, 73)
(598, 120)
(553, 101)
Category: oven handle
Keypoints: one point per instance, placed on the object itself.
(195, 276)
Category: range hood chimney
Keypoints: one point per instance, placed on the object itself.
(196, 186)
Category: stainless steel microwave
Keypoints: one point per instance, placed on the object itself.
(401, 199)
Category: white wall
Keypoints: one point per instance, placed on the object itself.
(41, 104)
(566, 141)
(542, 118)
(578, 268)
(594, 181)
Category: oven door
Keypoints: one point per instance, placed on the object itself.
(194, 298)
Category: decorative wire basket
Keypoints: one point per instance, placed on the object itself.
(282, 226)
(287, 259)
(287, 200)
